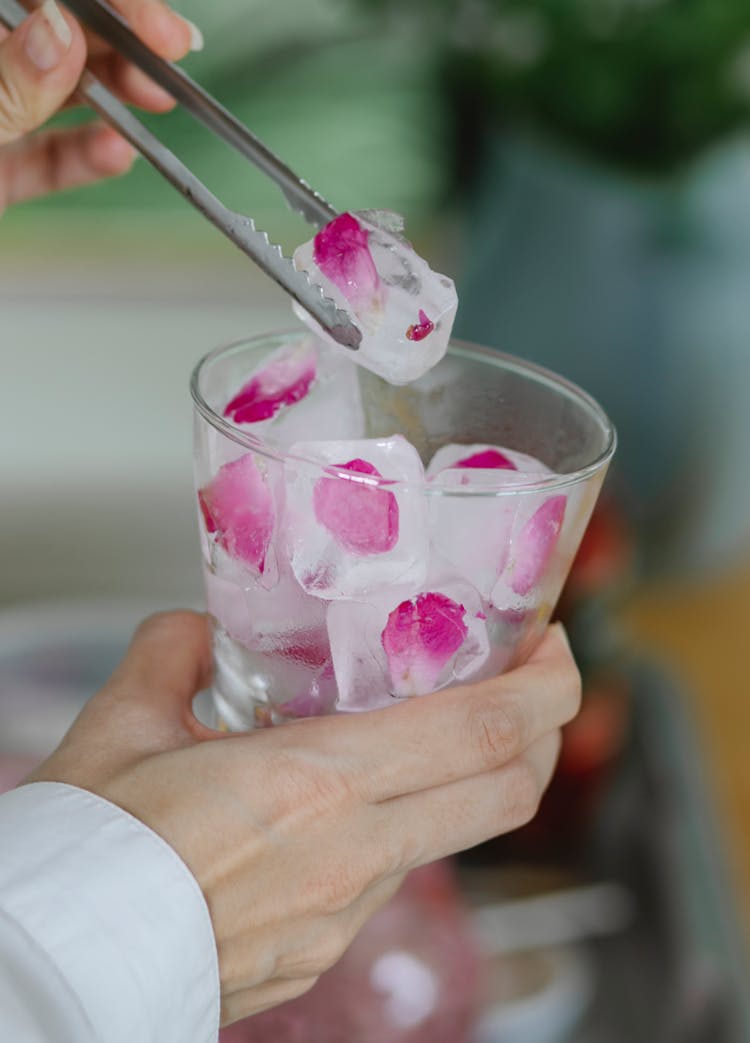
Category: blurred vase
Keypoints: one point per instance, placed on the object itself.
(639, 290)
(412, 975)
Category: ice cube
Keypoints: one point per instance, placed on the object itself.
(315, 698)
(405, 310)
(239, 514)
(474, 531)
(512, 635)
(423, 638)
(407, 644)
(289, 682)
(301, 391)
(355, 631)
(483, 457)
(234, 676)
(263, 619)
(283, 379)
(349, 533)
(271, 646)
(533, 546)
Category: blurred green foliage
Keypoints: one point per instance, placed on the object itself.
(348, 107)
(643, 84)
(388, 102)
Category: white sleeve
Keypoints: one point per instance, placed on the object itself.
(104, 933)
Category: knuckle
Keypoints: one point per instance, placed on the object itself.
(20, 105)
(496, 731)
(410, 852)
(309, 789)
(339, 888)
(390, 849)
(329, 791)
(327, 950)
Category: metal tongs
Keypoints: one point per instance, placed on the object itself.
(237, 227)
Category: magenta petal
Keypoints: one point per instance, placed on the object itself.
(208, 519)
(237, 507)
(536, 543)
(282, 382)
(420, 330)
(489, 459)
(362, 518)
(341, 252)
(419, 639)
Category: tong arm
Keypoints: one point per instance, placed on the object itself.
(238, 228)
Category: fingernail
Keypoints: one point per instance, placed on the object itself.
(48, 38)
(196, 36)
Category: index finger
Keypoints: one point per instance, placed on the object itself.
(459, 732)
(161, 28)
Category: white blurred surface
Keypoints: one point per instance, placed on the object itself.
(95, 415)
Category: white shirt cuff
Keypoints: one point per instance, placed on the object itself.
(115, 909)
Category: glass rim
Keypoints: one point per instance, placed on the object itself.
(457, 349)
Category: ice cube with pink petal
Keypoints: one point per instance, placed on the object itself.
(471, 531)
(300, 391)
(278, 632)
(283, 379)
(407, 644)
(482, 457)
(536, 565)
(351, 528)
(238, 512)
(404, 310)
(532, 550)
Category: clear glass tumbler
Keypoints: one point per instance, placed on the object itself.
(340, 583)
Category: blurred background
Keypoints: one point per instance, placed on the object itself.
(582, 170)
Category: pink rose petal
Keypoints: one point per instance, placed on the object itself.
(282, 382)
(341, 252)
(208, 519)
(420, 638)
(361, 517)
(488, 459)
(237, 507)
(536, 543)
(420, 330)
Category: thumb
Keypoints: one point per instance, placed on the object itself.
(145, 707)
(168, 661)
(40, 64)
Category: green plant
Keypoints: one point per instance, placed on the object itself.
(644, 84)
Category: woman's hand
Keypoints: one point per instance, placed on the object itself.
(298, 834)
(40, 65)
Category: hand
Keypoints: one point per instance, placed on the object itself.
(40, 65)
(298, 834)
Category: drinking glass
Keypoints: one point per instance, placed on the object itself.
(467, 562)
